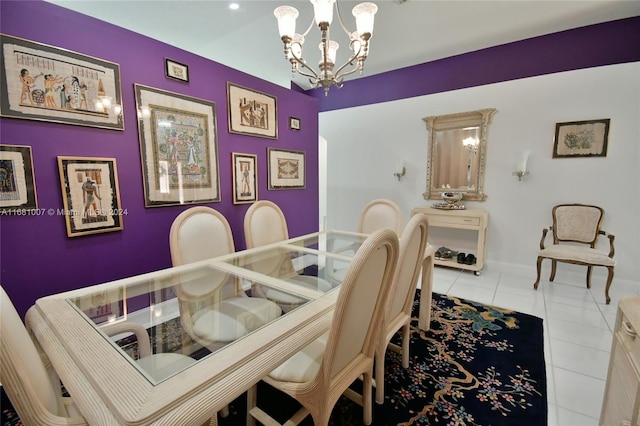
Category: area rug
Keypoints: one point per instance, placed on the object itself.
(477, 365)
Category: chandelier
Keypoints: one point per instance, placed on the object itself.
(323, 10)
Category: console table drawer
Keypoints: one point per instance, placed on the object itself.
(435, 220)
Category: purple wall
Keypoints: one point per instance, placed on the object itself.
(36, 257)
(608, 43)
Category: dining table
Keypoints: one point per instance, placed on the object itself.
(184, 381)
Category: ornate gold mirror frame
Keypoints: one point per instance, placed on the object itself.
(456, 155)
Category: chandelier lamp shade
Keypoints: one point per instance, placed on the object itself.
(323, 11)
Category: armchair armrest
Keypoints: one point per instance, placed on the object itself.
(611, 237)
(144, 344)
(544, 235)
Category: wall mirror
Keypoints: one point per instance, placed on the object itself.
(457, 154)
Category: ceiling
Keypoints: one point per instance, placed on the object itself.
(406, 32)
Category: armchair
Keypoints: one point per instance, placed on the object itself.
(577, 225)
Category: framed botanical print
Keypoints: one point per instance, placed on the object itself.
(251, 112)
(90, 195)
(17, 181)
(581, 139)
(178, 147)
(286, 169)
(245, 178)
(46, 83)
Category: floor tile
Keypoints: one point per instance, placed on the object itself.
(580, 359)
(585, 335)
(578, 393)
(575, 314)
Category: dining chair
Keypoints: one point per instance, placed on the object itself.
(574, 227)
(318, 374)
(32, 387)
(214, 310)
(376, 214)
(265, 223)
(403, 289)
(379, 214)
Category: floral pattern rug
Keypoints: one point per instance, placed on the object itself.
(477, 365)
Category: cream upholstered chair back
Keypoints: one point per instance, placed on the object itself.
(361, 303)
(380, 214)
(196, 234)
(264, 223)
(577, 222)
(412, 246)
(23, 374)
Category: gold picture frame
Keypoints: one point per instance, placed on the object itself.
(18, 189)
(90, 195)
(581, 138)
(251, 112)
(245, 178)
(287, 169)
(178, 148)
(46, 83)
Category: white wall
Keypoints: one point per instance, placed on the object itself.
(364, 143)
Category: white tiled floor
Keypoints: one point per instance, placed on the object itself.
(577, 327)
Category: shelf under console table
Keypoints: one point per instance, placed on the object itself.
(454, 233)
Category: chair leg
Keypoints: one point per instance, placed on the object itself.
(538, 266)
(367, 409)
(589, 268)
(379, 373)
(609, 280)
(406, 333)
(553, 270)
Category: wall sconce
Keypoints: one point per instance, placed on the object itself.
(400, 169)
(521, 167)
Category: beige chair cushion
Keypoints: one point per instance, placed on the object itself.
(162, 366)
(306, 281)
(577, 254)
(234, 318)
(304, 365)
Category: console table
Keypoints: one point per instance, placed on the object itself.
(466, 220)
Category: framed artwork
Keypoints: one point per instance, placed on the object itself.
(17, 181)
(294, 123)
(245, 178)
(45, 83)
(176, 70)
(581, 139)
(251, 112)
(178, 147)
(90, 195)
(286, 169)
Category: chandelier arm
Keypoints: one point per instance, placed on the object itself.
(344, 28)
(339, 76)
(300, 61)
(309, 29)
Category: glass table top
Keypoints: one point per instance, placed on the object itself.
(186, 313)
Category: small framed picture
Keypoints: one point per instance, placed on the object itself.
(251, 112)
(294, 123)
(176, 70)
(17, 182)
(581, 139)
(286, 169)
(245, 178)
(90, 195)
